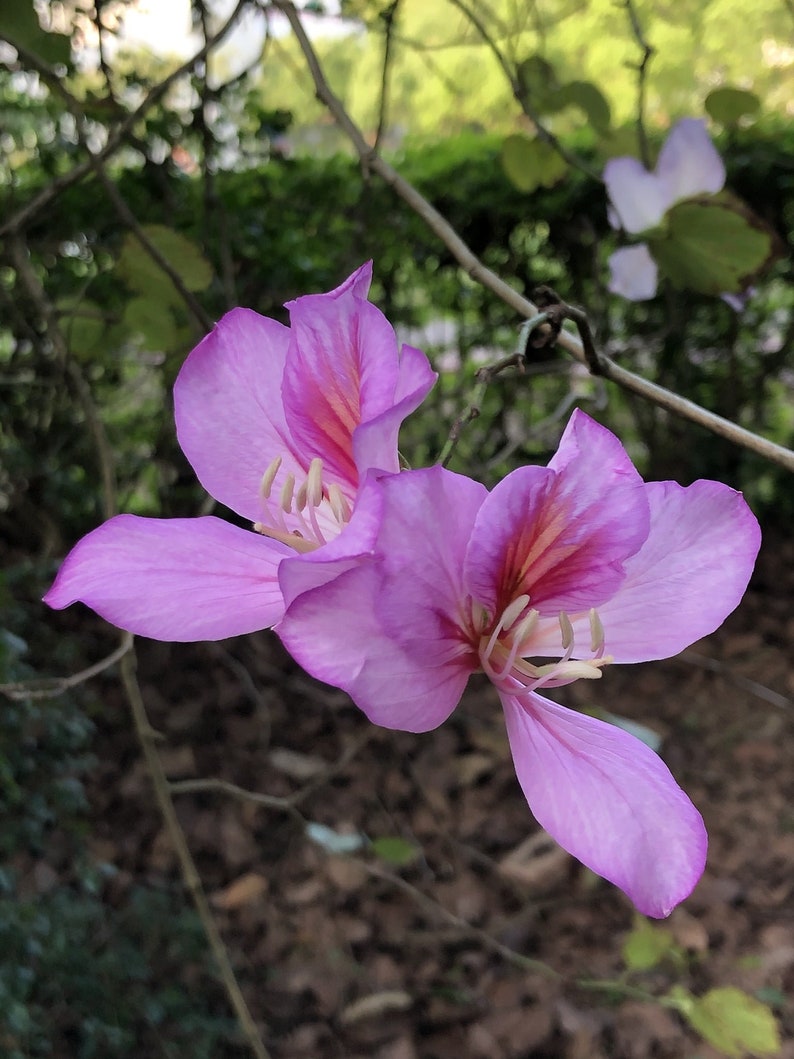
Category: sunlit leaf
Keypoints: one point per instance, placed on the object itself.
(152, 319)
(538, 79)
(734, 1022)
(394, 850)
(144, 274)
(646, 946)
(588, 98)
(727, 105)
(714, 244)
(530, 164)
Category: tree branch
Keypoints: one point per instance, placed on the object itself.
(468, 261)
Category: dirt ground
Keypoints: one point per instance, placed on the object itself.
(360, 958)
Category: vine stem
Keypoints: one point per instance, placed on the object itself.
(471, 264)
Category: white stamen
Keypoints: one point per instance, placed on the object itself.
(596, 633)
(300, 496)
(339, 506)
(513, 611)
(314, 482)
(287, 489)
(268, 477)
(566, 628)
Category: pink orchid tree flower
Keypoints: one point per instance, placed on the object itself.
(280, 424)
(688, 165)
(551, 577)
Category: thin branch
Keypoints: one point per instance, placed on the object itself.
(471, 264)
(522, 96)
(50, 688)
(118, 136)
(714, 665)
(187, 866)
(389, 17)
(648, 52)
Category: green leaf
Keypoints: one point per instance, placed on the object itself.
(145, 276)
(713, 244)
(395, 850)
(21, 24)
(538, 79)
(151, 318)
(646, 946)
(84, 327)
(530, 164)
(734, 1022)
(727, 105)
(589, 98)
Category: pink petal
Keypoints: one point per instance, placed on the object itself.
(375, 442)
(561, 533)
(229, 417)
(689, 163)
(688, 576)
(389, 629)
(639, 198)
(335, 633)
(357, 283)
(174, 579)
(342, 370)
(633, 273)
(609, 800)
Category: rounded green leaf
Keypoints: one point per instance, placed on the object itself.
(144, 274)
(727, 105)
(530, 164)
(84, 327)
(646, 946)
(588, 98)
(734, 1022)
(150, 317)
(713, 244)
(537, 78)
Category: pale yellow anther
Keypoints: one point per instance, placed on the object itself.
(300, 496)
(287, 489)
(314, 482)
(596, 632)
(339, 506)
(566, 628)
(268, 478)
(526, 627)
(512, 612)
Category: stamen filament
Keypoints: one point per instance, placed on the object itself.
(287, 489)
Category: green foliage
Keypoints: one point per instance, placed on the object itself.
(713, 244)
(730, 1020)
(729, 105)
(648, 945)
(531, 164)
(20, 21)
(80, 978)
(395, 850)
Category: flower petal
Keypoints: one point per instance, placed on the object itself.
(633, 273)
(227, 403)
(687, 578)
(357, 283)
(689, 163)
(336, 634)
(174, 579)
(609, 800)
(375, 442)
(560, 534)
(639, 197)
(342, 370)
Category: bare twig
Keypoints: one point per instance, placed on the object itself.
(118, 136)
(521, 94)
(50, 688)
(190, 876)
(471, 264)
(714, 665)
(642, 73)
(389, 17)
